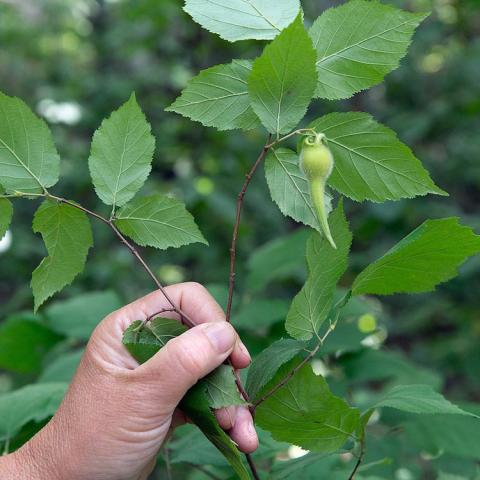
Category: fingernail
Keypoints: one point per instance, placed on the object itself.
(251, 428)
(221, 335)
(244, 350)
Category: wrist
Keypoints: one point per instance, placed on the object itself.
(38, 459)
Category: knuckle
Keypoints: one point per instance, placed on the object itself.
(188, 358)
(197, 287)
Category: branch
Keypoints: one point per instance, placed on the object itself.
(233, 248)
(185, 318)
(252, 466)
(359, 459)
(321, 341)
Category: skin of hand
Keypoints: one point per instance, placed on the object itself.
(117, 414)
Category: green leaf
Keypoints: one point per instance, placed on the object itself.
(29, 161)
(267, 363)
(311, 466)
(236, 20)
(370, 162)
(278, 97)
(312, 304)
(6, 214)
(143, 342)
(215, 389)
(358, 44)
(158, 221)
(78, 316)
(304, 412)
(33, 402)
(274, 260)
(290, 189)
(378, 365)
(24, 344)
(221, 388)
(67, 235)
(420, 399)
(426, 257)
(62, 369)
(204, 453)
(261, 313)
(444, 434)
(196, 405)
(449, 476)
(218, 97)
(121, 154)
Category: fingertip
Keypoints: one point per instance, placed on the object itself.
(221, 335)
(243, 433)
(240, 356)
(226, 417)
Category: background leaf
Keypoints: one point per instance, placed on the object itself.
(78, 316)
(218, 97)
(24, 343)
(266, 364)
(33, 402)
(243, 20)
(304, 412)
(62, 369)
(426, 257)
(370, 162)
(419, 399)
(274, 261)
(121, 154)
(6, 214)
(67, 235)
(28, 158)
(312, 304)
(358, 43)
(261, 313)
(158, 221)
(290, 189)
(277, 97)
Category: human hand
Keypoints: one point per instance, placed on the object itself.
(117, 414)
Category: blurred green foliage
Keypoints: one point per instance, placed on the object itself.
(74, 61)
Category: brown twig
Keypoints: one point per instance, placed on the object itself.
(233, 247)
(185, 318)
(288, 377)
(252, 466)
(359, 459)
(309, 357)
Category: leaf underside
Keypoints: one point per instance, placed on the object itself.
(370, 162)
(289, 187)
(29, 161)
(158, 221)
(236, 20)
(358, 43)
(218, 97)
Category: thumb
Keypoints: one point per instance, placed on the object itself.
(186, 359)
